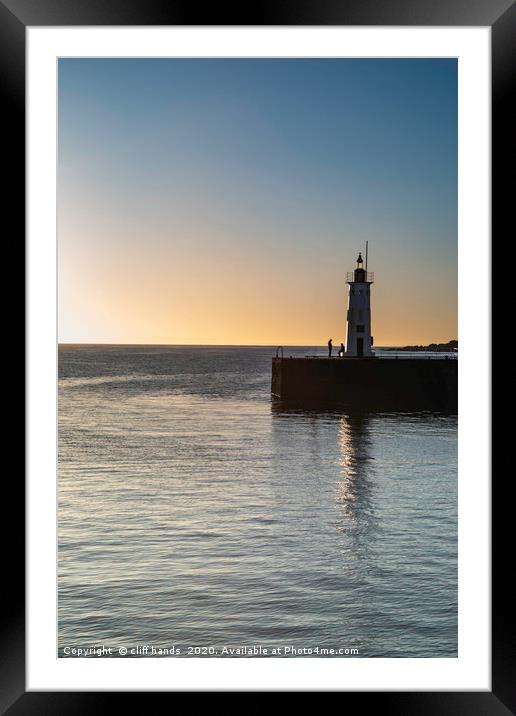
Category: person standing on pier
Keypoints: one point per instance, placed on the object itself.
(342, 350)
(330, 346)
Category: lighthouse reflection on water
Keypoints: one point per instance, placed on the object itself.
(341, 469)
(354, 489)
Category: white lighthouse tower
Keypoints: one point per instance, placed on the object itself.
(359, 341)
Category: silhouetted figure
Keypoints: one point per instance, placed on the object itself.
(341, 351)
(330, 346)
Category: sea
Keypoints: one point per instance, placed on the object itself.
(196, 517)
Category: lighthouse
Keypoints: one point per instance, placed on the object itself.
(359, 341)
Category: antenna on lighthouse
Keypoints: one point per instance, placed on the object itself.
(366, 247)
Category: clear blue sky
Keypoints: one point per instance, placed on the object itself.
(224, 200)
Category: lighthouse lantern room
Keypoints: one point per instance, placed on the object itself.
(359, 340)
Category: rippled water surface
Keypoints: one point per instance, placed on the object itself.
(194, 513)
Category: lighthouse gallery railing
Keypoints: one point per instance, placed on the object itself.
(350, 276)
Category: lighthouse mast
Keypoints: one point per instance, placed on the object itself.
(359, 341)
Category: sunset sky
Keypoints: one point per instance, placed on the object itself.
(223, 201)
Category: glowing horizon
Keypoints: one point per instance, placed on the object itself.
(221, 202)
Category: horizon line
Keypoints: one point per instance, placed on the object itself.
(229, 345)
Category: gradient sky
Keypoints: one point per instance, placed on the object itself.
(223, 201)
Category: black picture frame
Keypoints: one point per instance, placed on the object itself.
(500, 15)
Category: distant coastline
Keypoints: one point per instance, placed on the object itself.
(437, 347)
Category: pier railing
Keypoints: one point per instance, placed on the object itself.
(380, 355)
